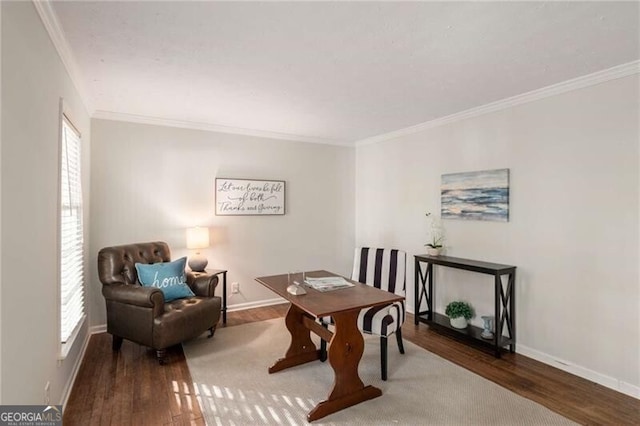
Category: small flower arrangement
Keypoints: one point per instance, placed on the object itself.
(436, 233)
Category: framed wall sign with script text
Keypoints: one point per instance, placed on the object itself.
(249, 197)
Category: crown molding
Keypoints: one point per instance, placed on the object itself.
(209, 127)
(52, 25)
(613, 73)
(59, 40)
(57, 36)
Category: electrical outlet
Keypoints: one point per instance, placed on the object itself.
(47, 393)
(235, 288)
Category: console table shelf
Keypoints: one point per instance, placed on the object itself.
(504, 300)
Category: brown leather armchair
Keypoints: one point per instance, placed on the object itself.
(140, 314)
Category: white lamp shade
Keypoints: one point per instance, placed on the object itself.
(197, 237)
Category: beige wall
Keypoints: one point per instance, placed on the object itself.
(33, 81)
(151, 183)
(573, 228)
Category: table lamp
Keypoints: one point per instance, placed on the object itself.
(197, 238)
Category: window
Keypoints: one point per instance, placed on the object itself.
(71, 236)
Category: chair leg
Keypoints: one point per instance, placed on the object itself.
(160, 354)
(212, 330)
(116, 343)
(383, 357)
(399, 339)
(323, 347)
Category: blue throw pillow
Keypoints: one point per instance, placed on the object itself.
(168, 277)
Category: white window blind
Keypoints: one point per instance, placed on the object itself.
(71, 234)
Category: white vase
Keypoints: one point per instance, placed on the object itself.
(432, 251)
(459, 322)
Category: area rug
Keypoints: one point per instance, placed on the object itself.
(233, 387)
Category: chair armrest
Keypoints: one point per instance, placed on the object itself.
(147, 297)
(203, 284)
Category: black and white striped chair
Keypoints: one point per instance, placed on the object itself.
(384, 269)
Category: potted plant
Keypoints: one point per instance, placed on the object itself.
(459, 314)
(436, 236)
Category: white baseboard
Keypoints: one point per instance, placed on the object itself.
(629, 389)
(97, 329)
(258, 304)
(577, 370)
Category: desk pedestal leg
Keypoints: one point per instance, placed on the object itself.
(345, 351)
(301, 349)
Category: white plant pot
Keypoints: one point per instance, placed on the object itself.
(433, 251)
(459, 322)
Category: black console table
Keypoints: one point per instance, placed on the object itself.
(504, 309)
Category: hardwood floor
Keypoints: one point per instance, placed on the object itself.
(129, 387)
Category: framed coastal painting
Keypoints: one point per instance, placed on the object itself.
(482, 195)
(249, 197)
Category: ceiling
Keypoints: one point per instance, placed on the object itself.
(334, 71)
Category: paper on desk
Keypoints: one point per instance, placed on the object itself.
(327, 283)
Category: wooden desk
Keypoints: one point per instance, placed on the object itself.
(346, 344)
